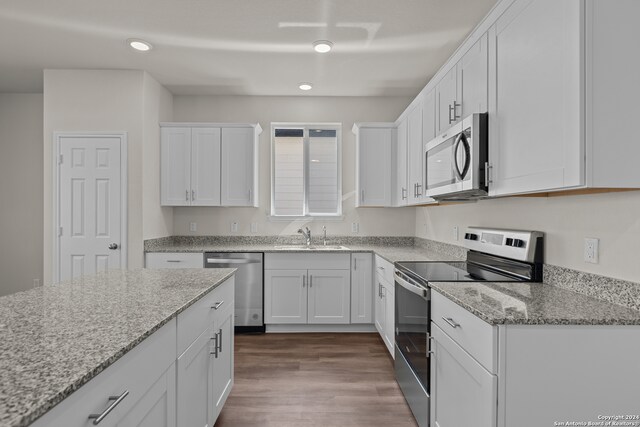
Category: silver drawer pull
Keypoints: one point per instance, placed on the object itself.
(380, 268)
(451, 322)
(173, 260)
(217, 305)
(97, 418)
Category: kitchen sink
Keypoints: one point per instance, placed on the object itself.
(312, 248)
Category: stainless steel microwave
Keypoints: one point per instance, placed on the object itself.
(456, 161)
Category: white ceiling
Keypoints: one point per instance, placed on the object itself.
(239, 47)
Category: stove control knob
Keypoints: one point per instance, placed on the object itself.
(518, 243)
(470, 236)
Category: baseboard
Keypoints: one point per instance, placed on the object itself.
(320, 328)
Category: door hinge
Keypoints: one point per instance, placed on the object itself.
(60, 159)
(59, 231)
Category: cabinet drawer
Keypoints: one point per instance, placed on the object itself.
(195, 319)
(474, 335)
(307, 261)
(384, 268)
(174, 260)
(136, 372)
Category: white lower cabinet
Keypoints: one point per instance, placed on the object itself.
(152, 386)
(307, 288)
(385, 312)
(173, 260)
(463, 393)
(362, 288)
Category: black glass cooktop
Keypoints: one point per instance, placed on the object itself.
(452, 271)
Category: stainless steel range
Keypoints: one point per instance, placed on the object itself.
(494, 255)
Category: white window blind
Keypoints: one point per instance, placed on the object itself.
(306, 171)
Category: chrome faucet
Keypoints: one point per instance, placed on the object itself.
(306, 234)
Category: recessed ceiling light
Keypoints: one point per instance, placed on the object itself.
(305, 86)
(139, 45)
(322, 46)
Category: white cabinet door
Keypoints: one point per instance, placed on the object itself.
(329, 296)
(374, 166)
(536, 137)
(401, 189)
(361, 288)
(458, 381)
(473, 78)
(175, 175)
(388, 295)
(285, 296)
(414, 138)
(156, 407)
(194, 390)
(428, 118)
(238, 153)
(379, 313)
(447, 104)
(205, 167)
(222, 372)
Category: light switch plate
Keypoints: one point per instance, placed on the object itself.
(355, 227)
(193, 226)
(455, 233)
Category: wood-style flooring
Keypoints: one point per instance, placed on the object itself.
(303, 380)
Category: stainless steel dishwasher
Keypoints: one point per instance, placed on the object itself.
(248, 285)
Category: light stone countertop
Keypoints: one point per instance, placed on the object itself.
(55, 338)
(534, 304)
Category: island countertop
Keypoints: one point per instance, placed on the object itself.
(55, 338)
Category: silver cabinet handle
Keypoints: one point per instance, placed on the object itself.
(355, 263)
(97, 418)
(418, 192)
(249, 194)
(455, 110)
(451, 322)
(362, 196)
(310, 280)
(429, 340)
(215, 346)
(173, 260)
(304, 281)
(193, 195)
(186, 197)
(219, 343)
(379, 290)
(487, 175)
(381, 268)
(450, 111)
(217, 305)
(404, 193)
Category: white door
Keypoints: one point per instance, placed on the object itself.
(205, 167)
(329, 296)
(194, 387)
(237, 167)
(401, 165)
(361, 288)
(536, 136)
(285, 296)
(388, 295)
(90, 204)
(473, 78)
(458, 381)
(222, 372)
(448, 109)
(175, 167)
(374, 164)
(414, 137)
(379, 314)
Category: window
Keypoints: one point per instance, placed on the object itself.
(305, 170)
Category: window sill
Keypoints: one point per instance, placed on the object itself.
(275, 218)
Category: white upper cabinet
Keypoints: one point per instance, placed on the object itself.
(176, 166)
(239, 167)
(401, 192)
(473, 79)
(414, 138)
(205, 177)
(536, 133)
(447, 103)
(373, 164)
(205, 165)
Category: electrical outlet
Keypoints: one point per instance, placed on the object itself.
(193, 226)
(591, 248)
(254, 227)
(355, 227)
(455, 233)
(234, 227)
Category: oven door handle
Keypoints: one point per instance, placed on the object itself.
(418, 290)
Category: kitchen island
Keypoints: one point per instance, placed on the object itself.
(55, 339)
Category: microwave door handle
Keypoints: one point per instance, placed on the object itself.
(467, 158)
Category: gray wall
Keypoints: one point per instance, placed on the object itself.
(268, 109)
(21, 183)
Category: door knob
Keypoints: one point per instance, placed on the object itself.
(113, 246)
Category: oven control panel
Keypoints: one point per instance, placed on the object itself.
(517, 244)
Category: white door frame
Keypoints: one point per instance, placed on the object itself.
(56, 193)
